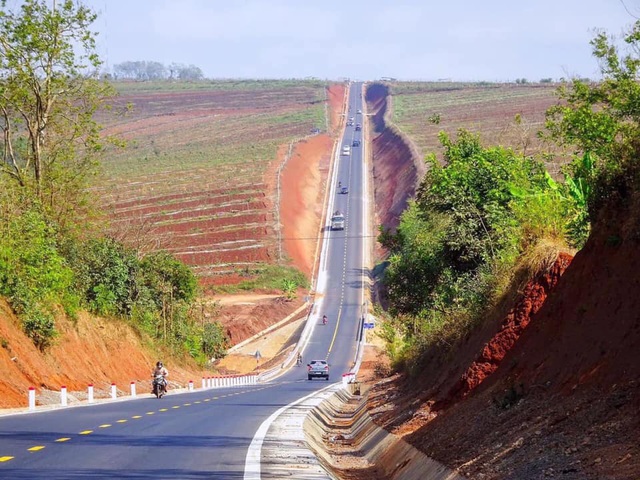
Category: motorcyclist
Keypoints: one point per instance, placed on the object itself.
(324, 319)
(161, 370)
(299, 359)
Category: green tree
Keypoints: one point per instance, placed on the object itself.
(49, 93)
(214, 341)
(603, 120)
(456, 246)
(33, 275)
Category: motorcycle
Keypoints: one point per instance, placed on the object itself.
(324, 320)
(159, 386)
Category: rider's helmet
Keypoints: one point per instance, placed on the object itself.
(159, 365)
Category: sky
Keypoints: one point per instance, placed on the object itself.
(462, 40)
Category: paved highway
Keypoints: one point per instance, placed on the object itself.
(204, 434)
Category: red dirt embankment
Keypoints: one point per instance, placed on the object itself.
(303, 183)
(554, 390)
(397, 166)
(88, 350)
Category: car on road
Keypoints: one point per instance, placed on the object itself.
(359, 111)
(358, 127)
(356, 143)
(344, 190)
(318, 369)
(337, 221)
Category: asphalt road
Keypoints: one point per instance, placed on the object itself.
(203, 434)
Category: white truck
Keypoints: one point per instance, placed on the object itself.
(337, 221)
(346, 150)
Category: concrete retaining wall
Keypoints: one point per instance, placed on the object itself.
(374, 445)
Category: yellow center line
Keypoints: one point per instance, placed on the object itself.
(197, 401)
(163, 409)
(176, 406)
(186, 404)
(36, 448)
(150, 413)
(137, 416)
(63, 439)
(215, 398)
(335, 333)
(86, 432)
(121, 421)
(106, 425)
(5, 459)
(207, 399)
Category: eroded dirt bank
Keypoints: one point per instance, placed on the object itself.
(559, 395)
(397, 166)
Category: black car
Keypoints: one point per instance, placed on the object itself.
(356, 143)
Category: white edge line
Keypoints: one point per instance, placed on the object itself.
(252, 466)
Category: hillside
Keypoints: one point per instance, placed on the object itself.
(101, 351)
(549, 388)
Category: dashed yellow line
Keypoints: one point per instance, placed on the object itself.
(107, 425)
(186, 404)
(335, 333)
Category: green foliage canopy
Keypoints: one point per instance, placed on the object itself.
(456, 245)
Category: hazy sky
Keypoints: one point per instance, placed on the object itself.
(494, 40)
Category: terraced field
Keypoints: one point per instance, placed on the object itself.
(198, 172)
(488, 109)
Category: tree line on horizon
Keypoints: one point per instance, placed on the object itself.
(143, 70)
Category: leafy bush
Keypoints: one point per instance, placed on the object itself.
(33, 275)
(105, 271)
(454, 251)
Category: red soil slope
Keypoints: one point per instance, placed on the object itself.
(551, 388)
(552, 393)
(397, 168)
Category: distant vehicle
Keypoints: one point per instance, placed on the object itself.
(351, 119)
(318, 369)
(359, 111)
(346, 150)
(344, 190)
(337, 221)
(349, 123)
(358, 127)
(356, 143)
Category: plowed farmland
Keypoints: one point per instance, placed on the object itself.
(421, 110)
(198, 175)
